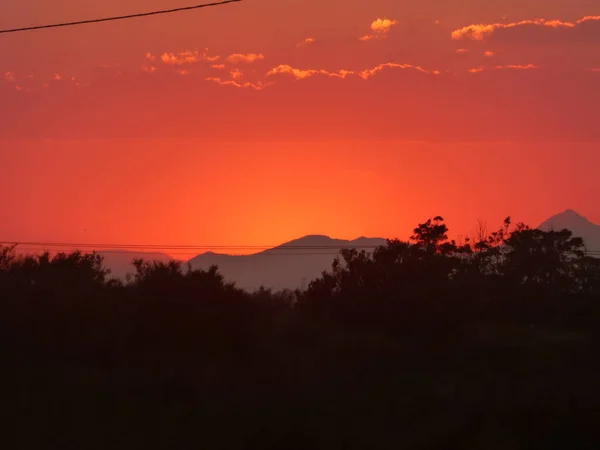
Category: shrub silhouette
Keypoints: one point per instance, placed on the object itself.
(422, 344)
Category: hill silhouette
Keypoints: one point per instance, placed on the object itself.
(291, 265)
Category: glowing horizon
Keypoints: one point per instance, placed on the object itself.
(259, 123)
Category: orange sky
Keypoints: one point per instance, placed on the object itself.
(259, 122)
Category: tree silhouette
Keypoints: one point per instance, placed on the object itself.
(418, 344)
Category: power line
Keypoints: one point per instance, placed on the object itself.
(151, 254)
(110, 19)
(185, 247)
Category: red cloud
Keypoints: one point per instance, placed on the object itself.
(245, 58)
(301, 74)
(518, 67)
(257, 87)
(488, 54)
(10, 77)
(476, 69)
(210, 58)
(366, 74)
(383, 25)
(480, 31)
(186, 57)
(237, 74)
(379, 28)
(305, 42)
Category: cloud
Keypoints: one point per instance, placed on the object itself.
(478, 32)
(476, 69)
(256, 86)
(488, 54)
(183, 72)
(237, 74)
(379, 29)
(149, 69)
(181, 58)
(150, 57)
(368, 73)
(462, 50)
(383, 25)
(518, 67)
(10, 77)
(306, 42)
(368, 37)
(208, 58)
(218, 66)
(57, 77)
(301, 74)
(245, 58)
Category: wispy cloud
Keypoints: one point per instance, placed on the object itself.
(518, 67)
(256, 86)
(379, 29)
(181, 58)
(488, 54)
(476, 69)
(306, 42)
(368, 73)
(149, 69)
(237, 74)
(245, 57)
(57, 77)
(210, 58)
(480, 31)
(10, 77)
(462, 50)
(301, 74)
(218, 66)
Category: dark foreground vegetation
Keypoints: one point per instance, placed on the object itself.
(429, 345)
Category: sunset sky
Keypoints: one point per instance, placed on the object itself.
(258, 122)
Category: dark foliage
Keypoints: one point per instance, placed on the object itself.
(421, 345)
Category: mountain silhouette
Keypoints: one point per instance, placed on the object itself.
(578, 224)
(296, 263)
(289, 266)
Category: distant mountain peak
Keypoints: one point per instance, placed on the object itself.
(572, 213)
(579, 225)
(569, 218)
(311, 239)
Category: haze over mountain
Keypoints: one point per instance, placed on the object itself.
(578, 224)
(288, 266)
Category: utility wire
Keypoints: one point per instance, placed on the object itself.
(110, 19)
(185, 247)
